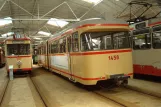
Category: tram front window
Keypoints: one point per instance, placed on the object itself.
(104, 40)
(18, 49)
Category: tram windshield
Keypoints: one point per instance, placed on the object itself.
(18, 49)
(104, 40)
(141, 39)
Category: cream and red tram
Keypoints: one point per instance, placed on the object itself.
(18, 54)
(147, 47)
(92, 50)
(42, 55)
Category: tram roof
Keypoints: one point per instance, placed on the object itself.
(89, 22)
(11, 38)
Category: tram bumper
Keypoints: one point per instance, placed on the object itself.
(120, 79)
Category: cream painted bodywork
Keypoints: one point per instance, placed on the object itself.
(94, 66)
(147, 57)
(26, 62)
(41, 59)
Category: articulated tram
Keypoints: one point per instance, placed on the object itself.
(90, 51)
(18, 54)
(146, 37)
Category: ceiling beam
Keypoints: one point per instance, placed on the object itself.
(72, 20)
(9, 4)
(71, 10)
(22, 8)
(90, 9)
(52, 10)
(3, 5)
(35, 1)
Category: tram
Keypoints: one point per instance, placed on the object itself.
(43, 55)
(90, 51)
(18, 53)
(35, 56)
(146, 37)
(2, 57)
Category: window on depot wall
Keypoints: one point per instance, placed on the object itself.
(157, 37)
(141, 39)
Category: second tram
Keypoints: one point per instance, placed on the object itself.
(146, 37)
(18, 54)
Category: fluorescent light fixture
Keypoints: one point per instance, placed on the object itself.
(38, 41)
(44, 33)
(117, 0)
(95, 2)
(57, 22)
(7, 34)
(5, 22)
(37, 38)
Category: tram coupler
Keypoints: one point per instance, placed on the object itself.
(120, 79)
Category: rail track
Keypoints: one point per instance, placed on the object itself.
(128, 96)
(9, 92)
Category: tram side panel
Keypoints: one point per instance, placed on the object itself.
(147, 62)
(60, 64)
(41, 56)
(147, 48)
(46, 55)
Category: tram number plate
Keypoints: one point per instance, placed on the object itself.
(113, 57)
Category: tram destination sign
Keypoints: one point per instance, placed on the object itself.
(18, 42)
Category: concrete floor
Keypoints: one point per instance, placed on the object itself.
(146, 86)
(58, 92)
(20, 92)
(136, 99)
(3, 82)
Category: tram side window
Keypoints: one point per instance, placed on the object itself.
(75, 42)
(44, 49)
(55, 47)
(142, 41)
(41, 51)
(156, 40)
(49, 50)
(69, 39)
(121, 40)
(62, 43)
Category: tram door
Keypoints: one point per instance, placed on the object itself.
(69, 50)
